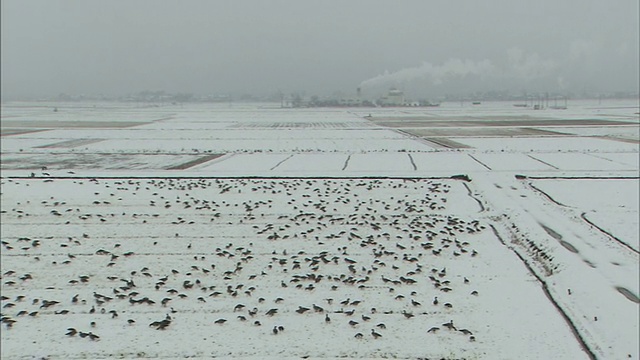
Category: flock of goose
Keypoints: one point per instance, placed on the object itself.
(355, 255)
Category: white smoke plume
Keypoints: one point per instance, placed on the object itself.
(517, 66)
(436, 74)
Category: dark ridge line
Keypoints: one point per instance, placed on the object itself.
(67, 144)
(346, 162)
(461, 177)
(170, 117)
(480, 162)
(61, 152)
(238, 128)
(545, 289)
(435, 141)
(473, 197)
(72, 124)
(174, 253)
(192, 163)
(584, 217)
(281, 161)
(506, 121)
(401, 132)
(603, 158)
(446, 142)
(250, 177)
(5, 133)
(544, 162)
(432, 143)
(613, 138)
(521, 177)
(415, 168)
(549, 132)
(546, 195)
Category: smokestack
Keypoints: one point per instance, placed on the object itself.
(358, 92)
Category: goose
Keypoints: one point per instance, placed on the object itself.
(449, 325)
(302, 310)
(272, 312)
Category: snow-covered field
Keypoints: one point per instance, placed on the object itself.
(258, 232)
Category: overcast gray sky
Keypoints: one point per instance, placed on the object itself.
(321, 46)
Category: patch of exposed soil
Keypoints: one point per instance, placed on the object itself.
(195, 162)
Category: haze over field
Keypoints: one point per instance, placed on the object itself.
(262, 47)
(280, 179)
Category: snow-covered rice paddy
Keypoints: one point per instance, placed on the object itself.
(258, 232)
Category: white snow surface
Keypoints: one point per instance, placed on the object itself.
(147, 226)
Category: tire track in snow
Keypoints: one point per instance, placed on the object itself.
(628, 294)
(554, 234)
(584, 217)
(545, 289)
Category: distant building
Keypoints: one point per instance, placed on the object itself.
(395, 97)
(350, 102)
